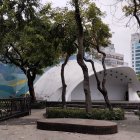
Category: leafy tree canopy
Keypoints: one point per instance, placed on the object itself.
(25, 35)
(26, 39)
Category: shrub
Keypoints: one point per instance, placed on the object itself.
(137, 112)
(38, 105)
(99, 114)
(65, 113)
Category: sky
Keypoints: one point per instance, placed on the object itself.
(121, 35)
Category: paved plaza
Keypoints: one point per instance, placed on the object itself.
(25, 129)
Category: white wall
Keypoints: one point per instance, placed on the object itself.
(116, 89)
(133, 96)
(49, 86)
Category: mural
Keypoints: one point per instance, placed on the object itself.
(13, 82)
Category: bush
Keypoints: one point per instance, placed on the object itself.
(38, 105)
(98, 114)
(137, 112)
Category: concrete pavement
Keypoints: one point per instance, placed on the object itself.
(25, 129)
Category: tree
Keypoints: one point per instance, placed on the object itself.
(94, 35)
(99, 36)
(80, 55)
(132, 9)
(65, 32)
(138, 76)
(88, 12)
(26, 40)
(68, 48)
(101, 33)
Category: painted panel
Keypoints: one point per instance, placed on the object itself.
(13, 82)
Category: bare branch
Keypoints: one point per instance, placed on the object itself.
(136, 6)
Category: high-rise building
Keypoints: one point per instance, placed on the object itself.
(135, 52)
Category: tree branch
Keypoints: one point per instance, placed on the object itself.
(136, 5)
(95, 73)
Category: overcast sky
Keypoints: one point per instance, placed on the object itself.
(114, 18)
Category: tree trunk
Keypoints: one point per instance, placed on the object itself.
(80, 61)
(31, 77)
(86, 84)
(104, 90)
(31, 89)
(30, 72)
(109, 106)
(101, 89)
(135, 12)
(64, 86)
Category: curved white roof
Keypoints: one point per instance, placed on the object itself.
(49, 86)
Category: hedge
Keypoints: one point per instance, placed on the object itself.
(98, 114)
(38, 105)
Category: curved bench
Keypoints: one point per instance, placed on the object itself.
(85, 126)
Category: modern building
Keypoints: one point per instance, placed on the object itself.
(112, 58)
(122, 83)
(135, 52)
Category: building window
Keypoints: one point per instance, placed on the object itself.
(137, 62)
(137, 65)
(137, 58)
(137, 47)
(138, 69)
(137, 51)
(138, 54)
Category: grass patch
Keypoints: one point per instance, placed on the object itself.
(98, 114)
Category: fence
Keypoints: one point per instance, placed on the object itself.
(14, 107)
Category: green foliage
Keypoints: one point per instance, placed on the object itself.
(94, 28)
(96, 32)
(138, 76)
(137, 113)
(64, 30)
(132, 10)
(65, 113)
(25, 38)
(27, 33)
(38, 105)
(99, 114)
(131, 7)
(128, 10)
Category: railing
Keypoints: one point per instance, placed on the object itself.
(14, 107)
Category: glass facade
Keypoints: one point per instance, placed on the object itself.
(136, 57)
(137, 51)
